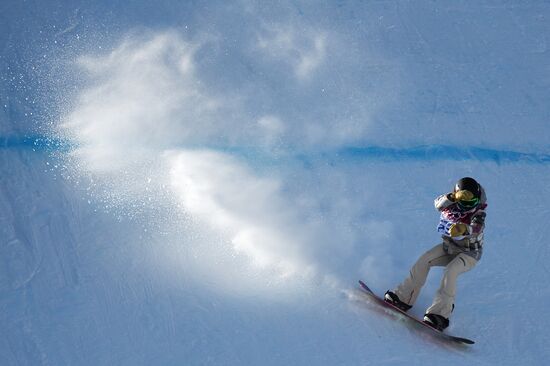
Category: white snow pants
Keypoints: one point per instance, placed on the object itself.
(454, 263)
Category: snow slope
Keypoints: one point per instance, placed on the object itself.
(202, 183)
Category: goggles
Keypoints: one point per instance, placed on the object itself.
(469, 203)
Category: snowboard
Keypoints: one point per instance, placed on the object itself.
(426, 327)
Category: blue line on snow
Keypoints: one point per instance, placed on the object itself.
(34, 143)
(418, 153)
(388, 154)
(444, 152)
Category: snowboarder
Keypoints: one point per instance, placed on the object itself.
(461, 226)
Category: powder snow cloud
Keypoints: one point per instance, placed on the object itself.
(149, 125)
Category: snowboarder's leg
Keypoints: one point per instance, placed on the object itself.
(409, 289)
(445, 296)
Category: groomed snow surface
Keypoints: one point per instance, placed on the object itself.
(203, 183)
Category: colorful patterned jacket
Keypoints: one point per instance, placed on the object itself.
(451, 213)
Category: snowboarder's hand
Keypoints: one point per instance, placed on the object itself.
(458, 229)
(463, 195)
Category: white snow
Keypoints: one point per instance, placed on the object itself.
(201, 201)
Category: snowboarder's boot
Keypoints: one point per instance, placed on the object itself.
(436, 321)
(393, 299)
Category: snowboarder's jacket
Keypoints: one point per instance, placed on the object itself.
(451, 213)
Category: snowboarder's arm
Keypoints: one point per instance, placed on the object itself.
(476, 226)
(443, 201)
(478, 223)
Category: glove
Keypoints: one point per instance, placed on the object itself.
(463, 195)
(458, 229)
